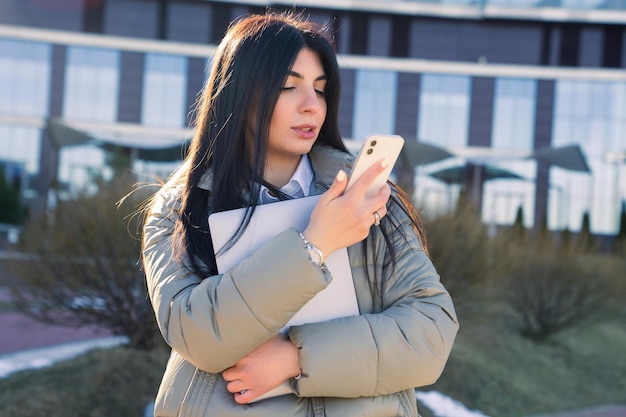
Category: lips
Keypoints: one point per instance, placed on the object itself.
(305, 131)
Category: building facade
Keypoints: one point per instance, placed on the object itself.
(490, 81)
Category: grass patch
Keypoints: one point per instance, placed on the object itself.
(6, 307)
(113, 382)
(502, 374)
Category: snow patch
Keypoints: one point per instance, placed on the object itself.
(443, 406)
(46, 356)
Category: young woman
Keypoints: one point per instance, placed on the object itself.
(267, 129)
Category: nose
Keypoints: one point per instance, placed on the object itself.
(310, 101)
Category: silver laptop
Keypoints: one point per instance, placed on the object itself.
(338, 299)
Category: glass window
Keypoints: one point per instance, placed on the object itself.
(150, 170)
(24, 77)
(79, 169)
(443, 120)
(91, 84)
(582, 4)
(164, 91)
(20, 146)
(444, 110)
(570, 4)
(591, 114)
(513, 131)
(374, 103)
(516, 3)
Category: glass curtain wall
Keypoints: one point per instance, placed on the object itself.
(513, 130)
(91, 95)
(19, 152)
(91, 84)
(164, 89)
(374, 103)
(591, 114)
(443, 120)
(24, 92)
(163, 105)
(24, 78)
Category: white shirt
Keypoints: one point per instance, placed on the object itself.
(300, 180)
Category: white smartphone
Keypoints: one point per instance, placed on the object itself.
(374, 149)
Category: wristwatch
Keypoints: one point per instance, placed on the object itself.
(316, 255)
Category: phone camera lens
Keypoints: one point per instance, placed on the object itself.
(373, 143)
(369, 151)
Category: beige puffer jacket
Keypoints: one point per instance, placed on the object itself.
(366, 365)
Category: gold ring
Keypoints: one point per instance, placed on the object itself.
(376, 218)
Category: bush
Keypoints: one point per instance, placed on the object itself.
(549, 291)
(81, 266)
(462, 252)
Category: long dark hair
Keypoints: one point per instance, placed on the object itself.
(233, 121)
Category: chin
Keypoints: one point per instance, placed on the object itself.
(305, 148)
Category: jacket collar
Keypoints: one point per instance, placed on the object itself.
(325, 161)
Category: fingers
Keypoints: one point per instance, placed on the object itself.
(241, 394)
(235, 386)
(342, 218)
(337, 187)
(244, 396)
(262, 370)
(378, 201)
(378, 205)
(230, 374)
(379, 214)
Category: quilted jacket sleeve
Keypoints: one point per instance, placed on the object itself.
(214, 321)
(403, 346)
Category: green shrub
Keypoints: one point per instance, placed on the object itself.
(549, 290)
(462, 252)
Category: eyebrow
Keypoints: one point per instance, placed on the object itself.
(298, 75)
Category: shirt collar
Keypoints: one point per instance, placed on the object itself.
(301, 179)
(324, 161)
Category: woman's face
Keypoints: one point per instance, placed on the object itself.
(299, 112)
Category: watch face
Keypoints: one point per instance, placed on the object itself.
(315, 255)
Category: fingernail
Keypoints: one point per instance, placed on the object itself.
(341, 176)
(385, 163)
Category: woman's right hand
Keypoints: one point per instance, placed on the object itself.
(343, 219)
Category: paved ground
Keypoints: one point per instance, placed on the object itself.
(19, 332)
